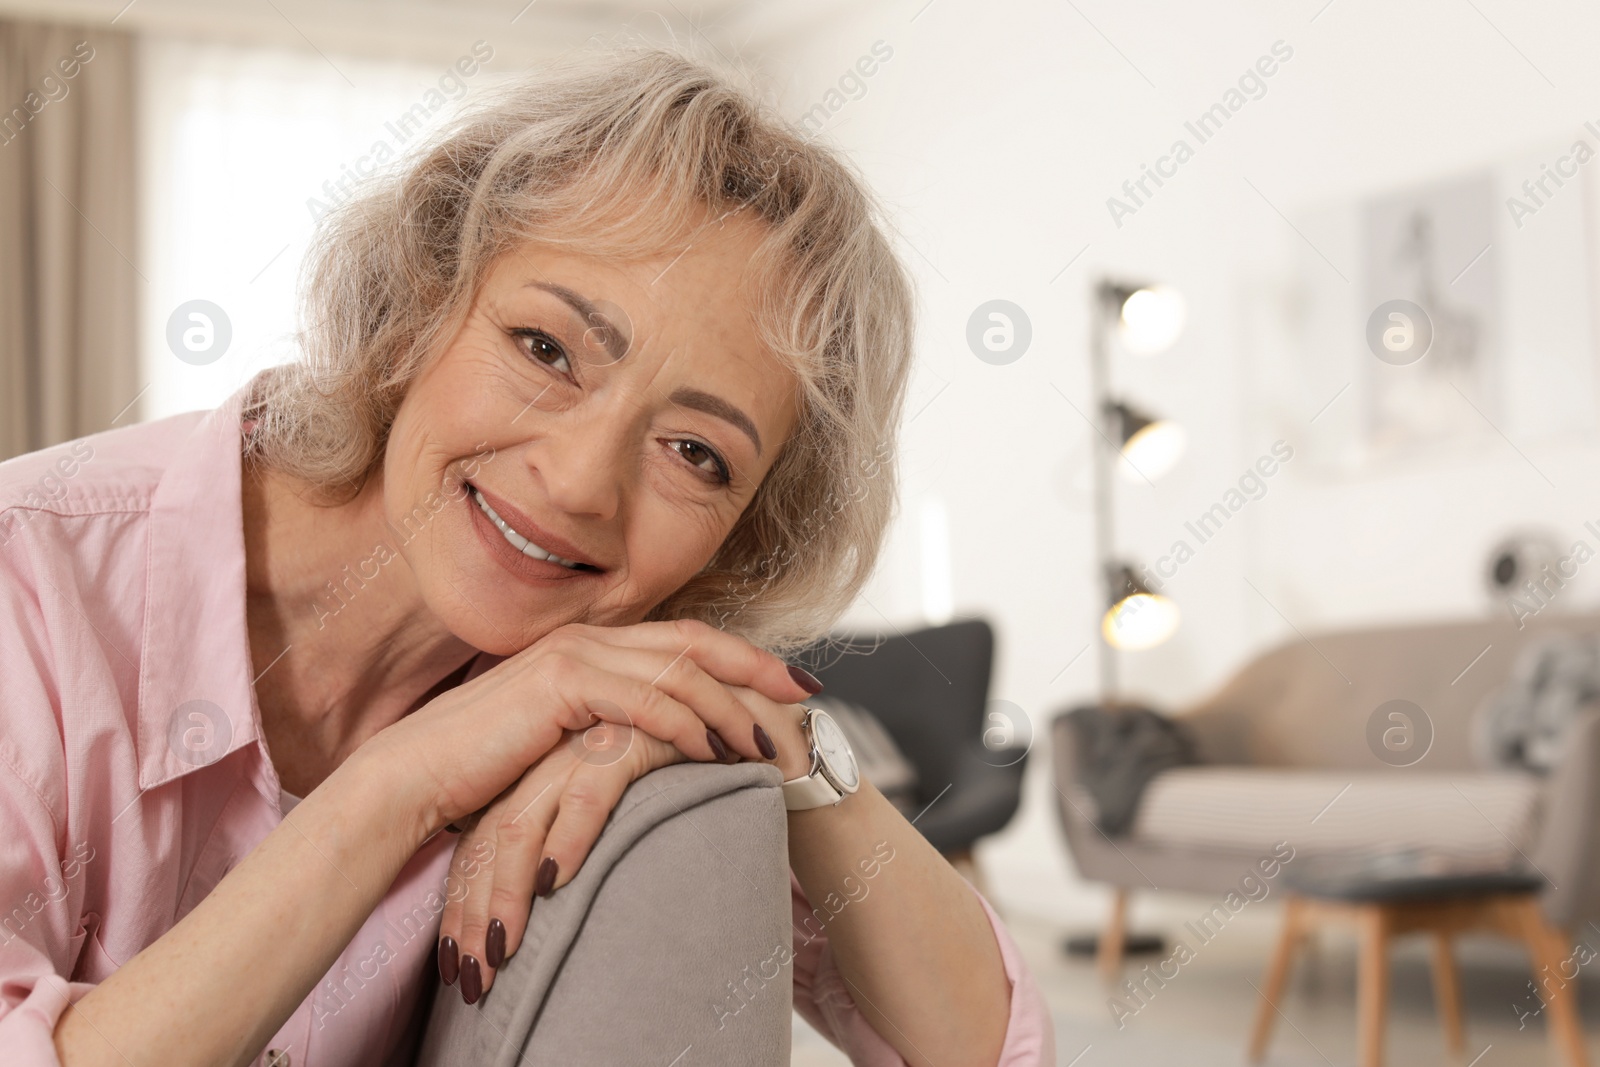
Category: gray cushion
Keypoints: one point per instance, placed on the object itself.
(654, 952)
(1484, 818)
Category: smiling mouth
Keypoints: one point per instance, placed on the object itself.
(520, 543)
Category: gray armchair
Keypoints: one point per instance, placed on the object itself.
(930, 689)
(657, 948)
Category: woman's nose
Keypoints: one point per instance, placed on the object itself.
(582, 461)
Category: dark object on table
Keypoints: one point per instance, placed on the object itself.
(1132, 945)
(1120, 749)
(1408, 875)
(930, 689)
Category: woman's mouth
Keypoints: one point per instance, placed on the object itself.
(518, 541)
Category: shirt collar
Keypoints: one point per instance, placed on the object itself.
(196, 700)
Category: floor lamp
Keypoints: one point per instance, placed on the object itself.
(1144, 320)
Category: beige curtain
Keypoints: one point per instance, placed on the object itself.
(69, 281)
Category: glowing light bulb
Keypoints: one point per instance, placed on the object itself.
(1152, 319)
(1142, 620)
(1153, 450)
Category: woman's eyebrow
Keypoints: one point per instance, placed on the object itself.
(715, 405)
(615, 340)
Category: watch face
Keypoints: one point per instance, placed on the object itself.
(834, 749)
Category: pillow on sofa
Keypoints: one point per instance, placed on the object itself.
(1525, 723)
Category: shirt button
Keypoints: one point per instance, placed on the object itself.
(276, 1057)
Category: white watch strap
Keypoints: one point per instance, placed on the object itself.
(809, 791)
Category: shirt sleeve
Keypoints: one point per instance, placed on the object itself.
(41, 895)
(823, 999)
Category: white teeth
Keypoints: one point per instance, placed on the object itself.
(517, 541)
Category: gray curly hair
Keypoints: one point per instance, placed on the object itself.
(625, 152)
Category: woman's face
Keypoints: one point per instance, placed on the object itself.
(619, 415)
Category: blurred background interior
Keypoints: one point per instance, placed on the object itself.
(1238, 634)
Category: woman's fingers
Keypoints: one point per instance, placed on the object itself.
(685, 681)
(622, 698)
(466, 889)
(726, 657)
(591, 792)
(520, 841)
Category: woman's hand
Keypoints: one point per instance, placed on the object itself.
(668, 679)
(538, 832)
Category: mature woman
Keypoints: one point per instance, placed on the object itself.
(594, 418)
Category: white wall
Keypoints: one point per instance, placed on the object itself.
(996, 134)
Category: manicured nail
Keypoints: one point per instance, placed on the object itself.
(494, 944)
(449, 960)
(471, 980)
(720, 749)
(764, 743)
(545, 880)
(805, 679)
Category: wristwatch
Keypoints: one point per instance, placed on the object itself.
(833, 775)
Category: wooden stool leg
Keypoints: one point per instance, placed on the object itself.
(1447, 995)
(1372, 985)
(1273, 981)
(1547, 953)
(1109, 957)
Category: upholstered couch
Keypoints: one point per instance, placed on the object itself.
(1289, 753)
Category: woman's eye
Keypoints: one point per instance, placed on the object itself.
(541, 347)
(704, 458)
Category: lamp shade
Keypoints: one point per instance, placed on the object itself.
(1135, 617)
(1149, 446)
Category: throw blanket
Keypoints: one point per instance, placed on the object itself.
(1120, 749)
(1525, 724)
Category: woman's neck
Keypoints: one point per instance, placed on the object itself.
(342, 642)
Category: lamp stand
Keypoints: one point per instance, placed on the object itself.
(1104, 533)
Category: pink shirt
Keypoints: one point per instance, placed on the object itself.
(134, 774)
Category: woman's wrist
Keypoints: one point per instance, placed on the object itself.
(382, 792)
(794, 748)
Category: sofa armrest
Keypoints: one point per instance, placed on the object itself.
(1568, 849)
(656, 945)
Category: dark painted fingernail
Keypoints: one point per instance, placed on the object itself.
(720, 749)
(494, 944)
(471, 980)
(764, 743)
(449, 960)
(805, 679)
(545, 880)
